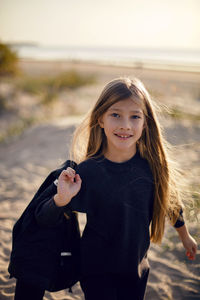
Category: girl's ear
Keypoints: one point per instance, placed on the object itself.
(100, 121)
(144, 125)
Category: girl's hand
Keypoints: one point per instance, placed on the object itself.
(188, 241)
(69, 184)
(191, 247)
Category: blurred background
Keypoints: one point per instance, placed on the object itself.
(50, 46)
(55, 58)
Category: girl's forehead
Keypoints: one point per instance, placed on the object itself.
(127, 104)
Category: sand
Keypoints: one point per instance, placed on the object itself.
(27, 159)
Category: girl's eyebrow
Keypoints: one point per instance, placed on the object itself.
(132, 111)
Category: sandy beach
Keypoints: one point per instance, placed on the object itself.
(25, 161)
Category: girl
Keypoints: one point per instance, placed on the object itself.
(126, 185)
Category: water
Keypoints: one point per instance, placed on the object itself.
(136, 57)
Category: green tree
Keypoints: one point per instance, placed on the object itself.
(8, 60)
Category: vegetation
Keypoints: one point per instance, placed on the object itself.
(193, 208)
(49, 87)
(177, 114)
(17, 128)
(2, 103)
(26, 100)
(8, 60)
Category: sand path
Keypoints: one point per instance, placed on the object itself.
(25, 162)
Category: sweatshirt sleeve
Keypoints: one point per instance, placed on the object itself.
(86, 199)
(180, 221)
(47, 213)
(82, 201)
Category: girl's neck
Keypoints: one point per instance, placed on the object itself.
(119, 158)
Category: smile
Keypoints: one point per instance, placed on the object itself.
(123, 136)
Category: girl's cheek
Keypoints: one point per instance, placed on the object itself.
(113, 122)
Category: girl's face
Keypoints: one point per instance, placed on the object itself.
(123, 124)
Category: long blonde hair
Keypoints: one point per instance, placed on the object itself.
(90, 141)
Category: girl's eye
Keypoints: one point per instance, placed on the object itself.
(135, 117)
(115, 115)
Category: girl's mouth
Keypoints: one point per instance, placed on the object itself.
(123, 136)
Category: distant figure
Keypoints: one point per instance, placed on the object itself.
(127, 185)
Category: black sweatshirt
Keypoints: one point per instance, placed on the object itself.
(118, 201)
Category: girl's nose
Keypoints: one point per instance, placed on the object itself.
(125, 124)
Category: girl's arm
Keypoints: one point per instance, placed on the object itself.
(51, 209)
(188, 241)
(69, 184)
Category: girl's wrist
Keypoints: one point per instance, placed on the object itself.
(58, 201)
(183, 232)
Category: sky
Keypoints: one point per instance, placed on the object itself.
(124, 23)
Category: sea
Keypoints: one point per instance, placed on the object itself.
(173, 59)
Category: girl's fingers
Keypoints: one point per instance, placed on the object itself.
(78, 178)
(194, 249)
(191, 254)
(70, 170)
(69, 173)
